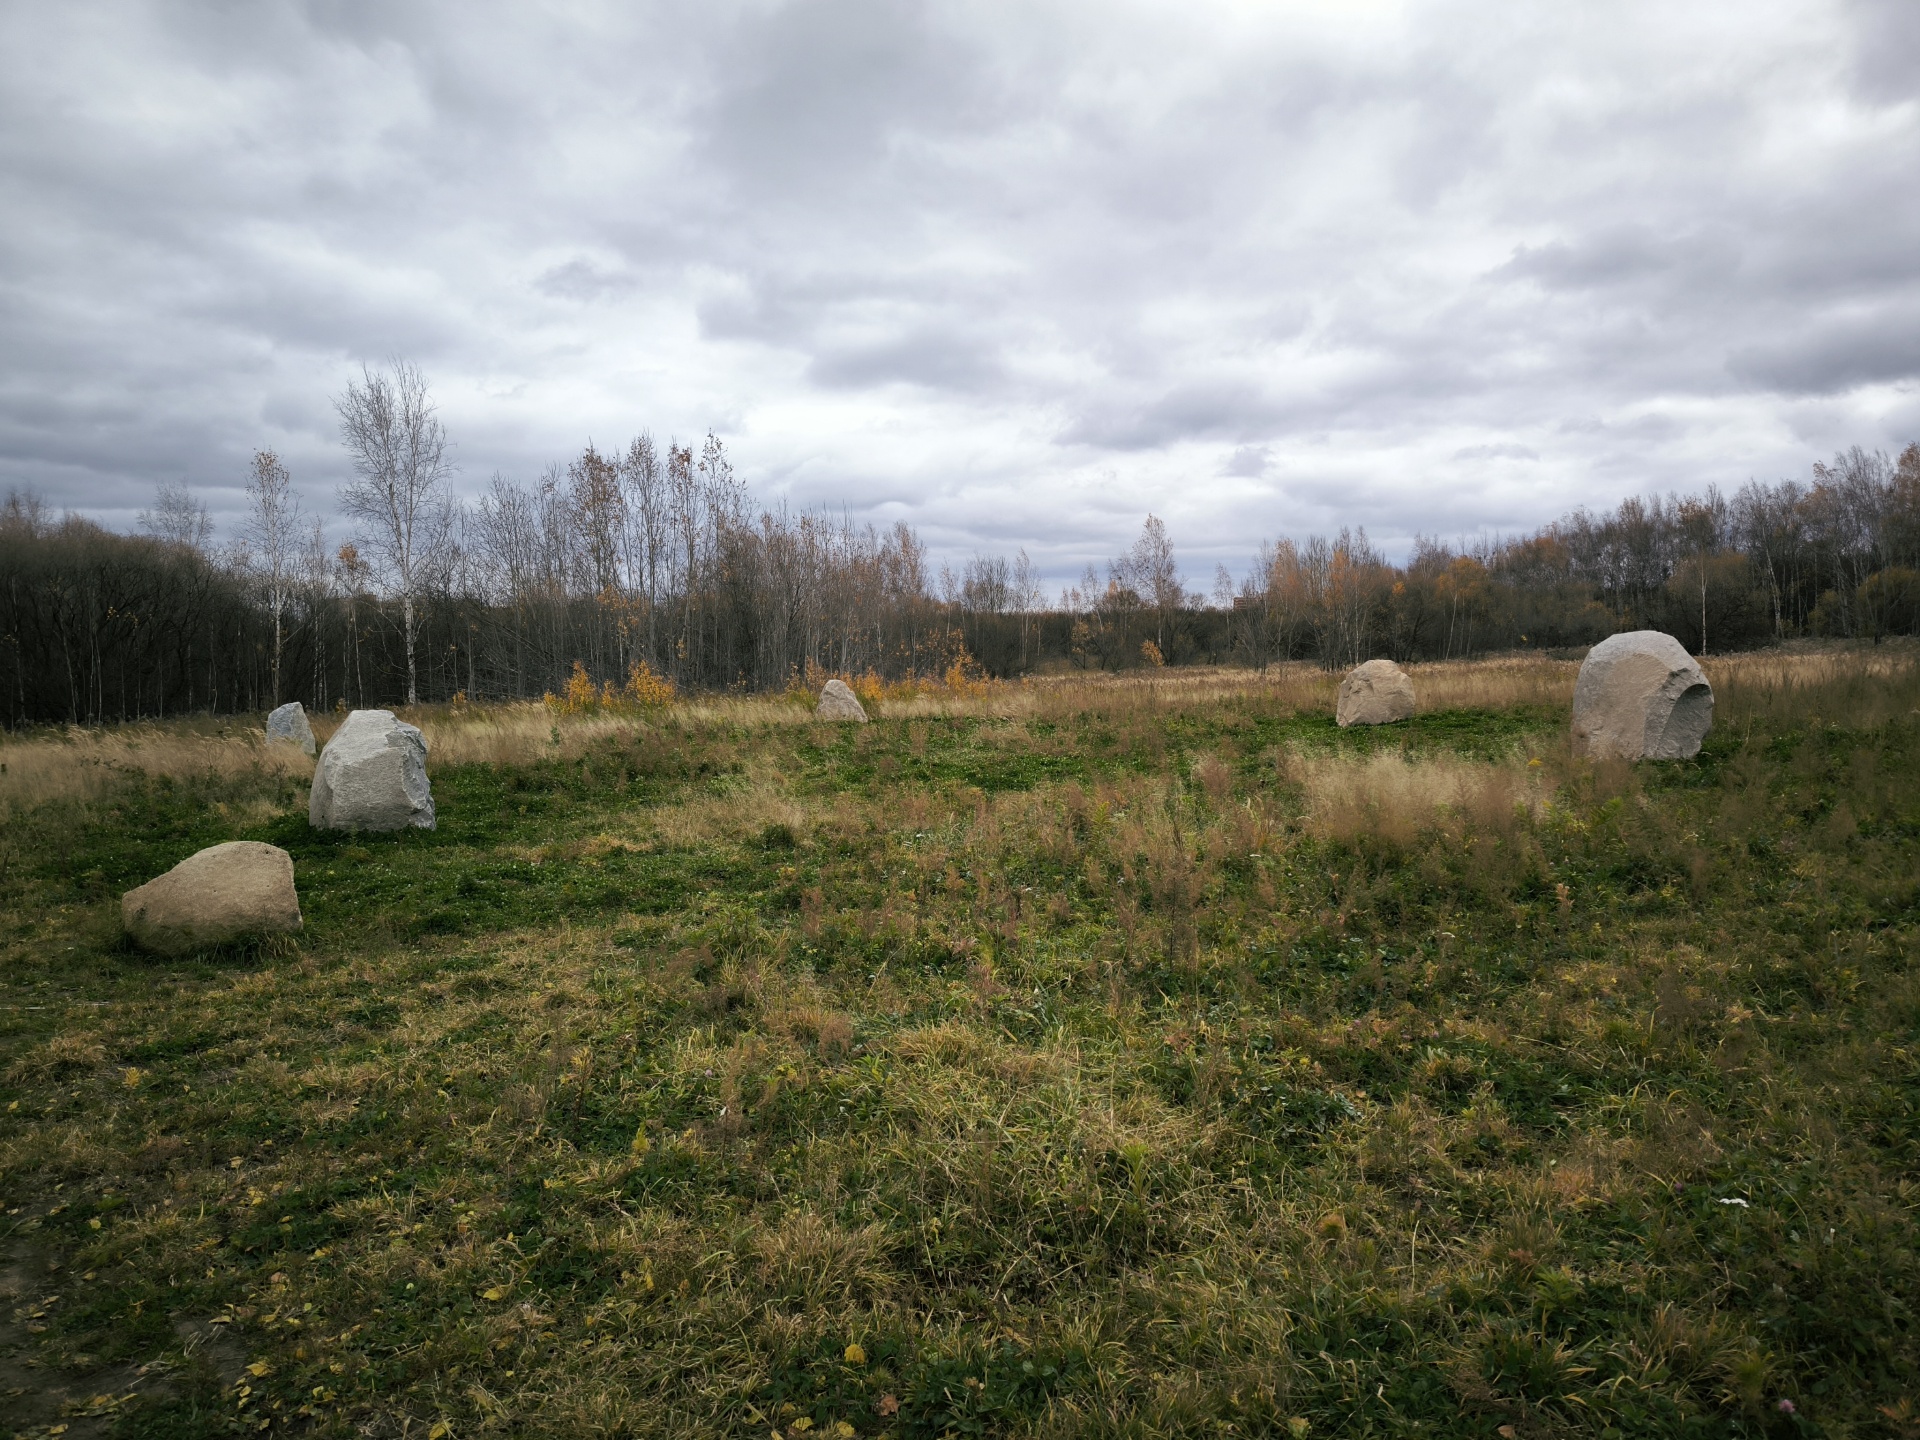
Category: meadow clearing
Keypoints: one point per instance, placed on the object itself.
(1127, 1056)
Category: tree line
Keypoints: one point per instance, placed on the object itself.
(654, 561)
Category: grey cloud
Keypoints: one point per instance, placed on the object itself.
(1462, 267)
(1227, 410)
(927, 357)
(1611, 257)
(816, 94)
(1886, 49)
(1496, 452)
(1838, 354)
(1250, 461)
(582, 280)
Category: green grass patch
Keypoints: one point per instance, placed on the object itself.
(1093, 1072)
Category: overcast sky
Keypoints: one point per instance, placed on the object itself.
(1017, 273)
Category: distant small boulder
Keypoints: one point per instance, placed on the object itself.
(1376, 693)
(838, 702)
(1640, 696)
(226, 892)
(287, 725)
(372, 776)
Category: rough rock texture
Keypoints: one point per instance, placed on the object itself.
(837, 702)
(228, 892)
(1640, 697)
(372, 776)
(288, 726)
(1376, 693)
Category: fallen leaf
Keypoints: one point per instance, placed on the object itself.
(259, 1368)
(441, 1429)
(498, 1292)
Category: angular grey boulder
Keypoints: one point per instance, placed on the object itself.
(227, 892)
(372, 776)
(287, 725)
(1640, 696)
(837, 702)
(1376, 693)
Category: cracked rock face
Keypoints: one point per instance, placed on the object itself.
(1640, 696)
(227, 892)
(288, 725)
(838, 702)
(1376, 693)
(372, 776)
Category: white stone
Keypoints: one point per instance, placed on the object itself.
(837, 702)
(1640, 696)
(372, 776)
(1376, 693)
(288, 725)
(223, 893)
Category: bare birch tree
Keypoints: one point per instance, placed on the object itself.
(1149, 571)
(644, 485)
(274, 541)
(399, 452)
(177, 518)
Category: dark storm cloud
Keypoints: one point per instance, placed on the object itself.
(1017, 273)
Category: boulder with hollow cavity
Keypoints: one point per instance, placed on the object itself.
(372, 776)
(838, 702)
(1376, 693)
(229, 892)
(287, 725)
(1640, 696)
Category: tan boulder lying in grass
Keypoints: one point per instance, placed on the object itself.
(287, 725)
(372, 776)
(1640, 697)
(1376, 693)
(227, 892)
(837, 702)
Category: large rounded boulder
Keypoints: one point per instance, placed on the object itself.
(1640, 696)
(234, 891)
(838, 702)
(1376, 693)
(287, 725)
(372, 776)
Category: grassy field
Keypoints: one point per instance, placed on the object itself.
(1140, 1057)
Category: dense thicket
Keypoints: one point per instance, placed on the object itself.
(642, 558)
(95, 625)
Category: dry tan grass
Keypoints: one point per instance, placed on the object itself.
(1494, 684)
(1840, 684)
(1295, 684)
(508, 734)
(1396, 799)
(1846, 685)
(80, 764)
